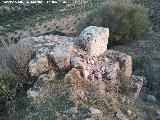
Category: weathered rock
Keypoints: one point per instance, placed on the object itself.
(38, 66)
(33, 93)
(78, 59)
(120, 116)
(157, 115)
(94, 40)
(58, 48)
(75, 79)
(43, 86)
(72, 110)
(125, 61)
(46, 78)
(151, 98)
(61, 54)
(77, 62)
(95, 113)
(93, 73)
(129, 112)
(95, 67)
(136, 83)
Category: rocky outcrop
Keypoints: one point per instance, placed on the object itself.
(93, 70)
(94, 40)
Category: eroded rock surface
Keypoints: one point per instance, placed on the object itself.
(94, 40)
(93, 70)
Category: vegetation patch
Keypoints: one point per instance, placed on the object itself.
(6, 85)
(124, 19)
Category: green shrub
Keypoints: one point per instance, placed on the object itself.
(124, 19)
(143, 66)
(5, 85)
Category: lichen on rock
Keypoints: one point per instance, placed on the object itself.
(93, 70)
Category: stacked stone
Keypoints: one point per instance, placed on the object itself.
(88, 62)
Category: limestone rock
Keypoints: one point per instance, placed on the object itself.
(136, 83)
(75, 79)
(151, 98)
(94, 111)
(46, 78)
(43, 86)
(38, 66)
(33, 93)
(125, 61)
(58, 48)
(95, 67)
(157, 114)
(94, 40)
(120, 116)
(72, 110)
(129, 112)
(61, 54)
(93, 71)
(77, 62)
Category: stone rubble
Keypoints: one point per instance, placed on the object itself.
(92, 69)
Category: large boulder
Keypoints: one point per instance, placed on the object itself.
(94, 40)
(51, 51)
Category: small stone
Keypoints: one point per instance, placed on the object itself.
(77, 62)
(33, 93)
(137, 83)
(46, 78)
(94, 111)
(38, 66)
(98, 75)
(120, 116)
(72, 110)
(103, 68)
(151, 98)
(92, 62)
(158, 112)
(129, 112)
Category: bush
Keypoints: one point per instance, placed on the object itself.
(5, 85)
(124, 19)
(143, 65)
